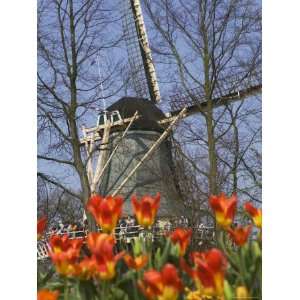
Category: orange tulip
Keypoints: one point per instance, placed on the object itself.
(106, 211)
(100, 243)
(151, 285)
(240, 234)
(41, 226)
(86, 269)
(163, 285)
(255, 213)
(136, 263)
(44, 294)
(102, 246)
(208, 271)
(224, 209)
(145, 210)
(64, 253)
(181, 237)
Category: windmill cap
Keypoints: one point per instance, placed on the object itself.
(149, 113)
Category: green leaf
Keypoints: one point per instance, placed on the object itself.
(87, 290)
(165, 254)
(42, 279)
(137, 246)
(119, 294)
(157, 257)
(54, 286)
(256, 250)
(175, 250)
(228, 292)
(126, 277)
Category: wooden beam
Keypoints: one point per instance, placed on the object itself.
(150, 151)
(89, 158)
(118, 123)
(145, 51)
(102, 156)
(97, 179)
(96, 129)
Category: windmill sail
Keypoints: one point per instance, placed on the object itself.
(235, 86)
(139, 53)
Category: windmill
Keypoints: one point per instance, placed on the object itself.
(128, 151)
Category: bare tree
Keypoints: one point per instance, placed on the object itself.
(57, 205)
(201, 44)
(70, 35)
(204, 44)
(239, 151)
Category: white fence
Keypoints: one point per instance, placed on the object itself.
(124, 234)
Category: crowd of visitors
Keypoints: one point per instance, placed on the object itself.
(127, 228)
(72, 229)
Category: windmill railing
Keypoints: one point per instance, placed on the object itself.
(126, 234)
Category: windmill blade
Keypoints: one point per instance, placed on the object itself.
(234, 87)
(139, 53)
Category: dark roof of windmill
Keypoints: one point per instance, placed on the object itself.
(149, 113)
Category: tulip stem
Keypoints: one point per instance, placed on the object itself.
(256, 276)
(242, 267)
(136, 297)
(77, 288)
(104, 289)
(149, 246)
(66, 289)
(220, 238)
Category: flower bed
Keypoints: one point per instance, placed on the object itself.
(101, 269)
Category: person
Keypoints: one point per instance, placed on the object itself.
(65, 229)
(121, 229)
(60, 227)
(122, 223)
(201, 231)
(73, 230)
(131, 229)
(53, 230)
(68, 229)
(80, 230)
(85, 226)
(156, 229)
(167, 227)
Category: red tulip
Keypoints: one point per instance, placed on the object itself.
(240, 234)
(106, 211)
(64, 253)
(44, 294)
(208, 271)
(136, 263)
(145, 210)
(102, 246)
(100, 243)
(224, 209)
(255, 213)
(86, 269)
(181, 237)
(163, 285)
(41, 226)
(151, 286)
